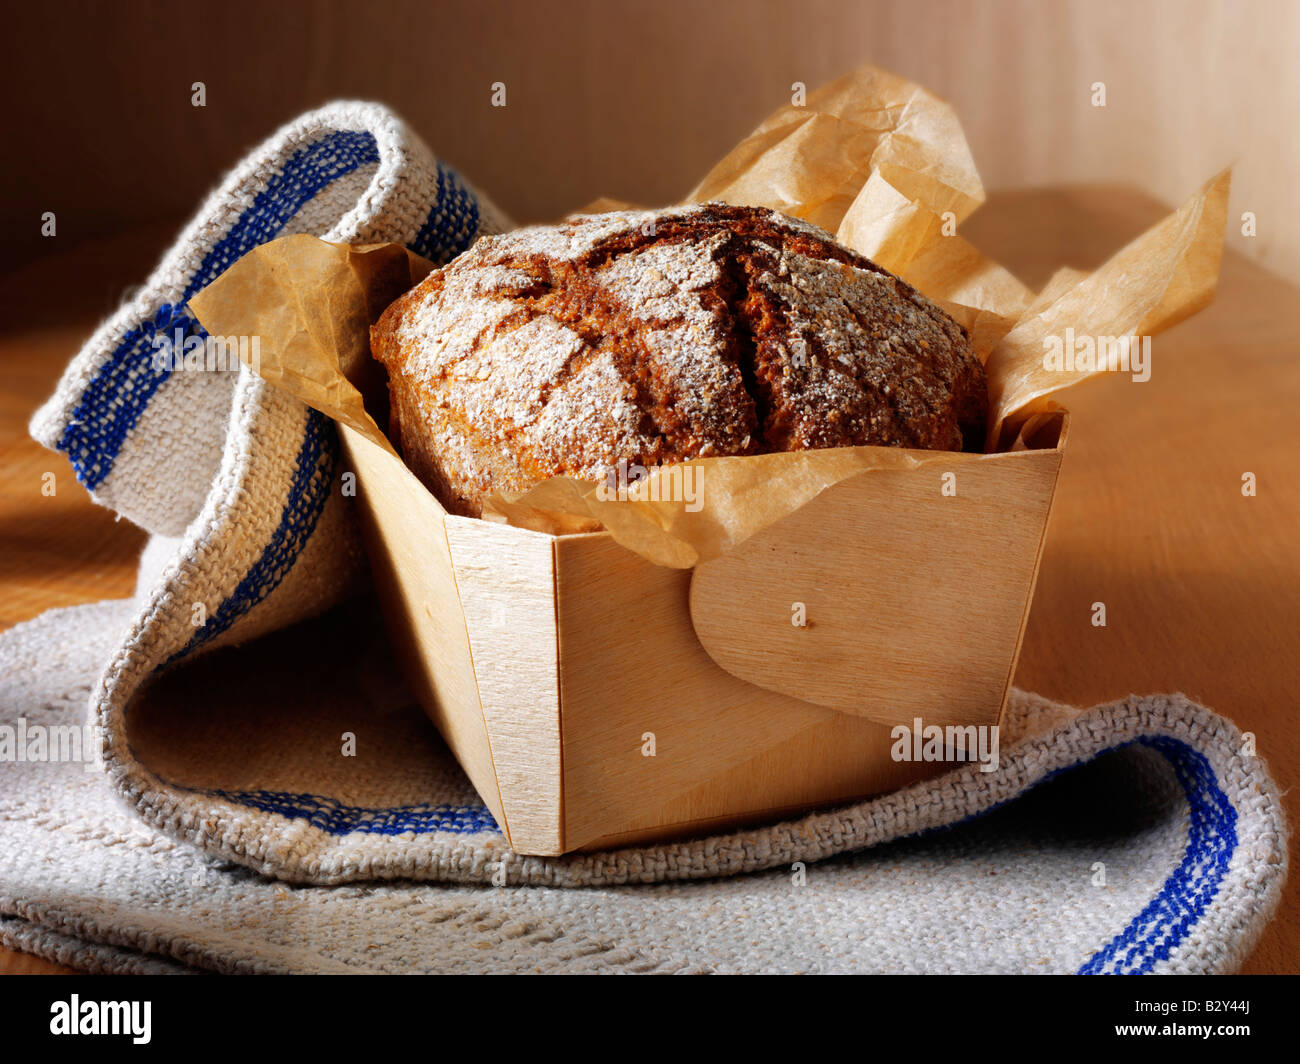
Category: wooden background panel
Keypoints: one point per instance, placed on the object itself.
(638, 98)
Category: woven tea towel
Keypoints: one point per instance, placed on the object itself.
(217, 707)
(1132, 837)
(237, 481)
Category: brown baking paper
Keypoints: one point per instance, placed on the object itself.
(312, 304)
(872, 158)
(1165, 275)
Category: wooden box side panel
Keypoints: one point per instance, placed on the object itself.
(506, 578)
(1048, 443)
(892, 595)
(403, 527)
(725, 751)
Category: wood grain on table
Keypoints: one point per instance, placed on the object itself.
(1201, 584)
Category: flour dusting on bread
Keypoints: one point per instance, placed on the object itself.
(660, 336)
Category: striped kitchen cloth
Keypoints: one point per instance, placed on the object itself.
(1138, 836)
(236, 481)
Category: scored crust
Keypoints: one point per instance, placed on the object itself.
(661, 336)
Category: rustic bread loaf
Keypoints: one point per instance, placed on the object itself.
(660, 336)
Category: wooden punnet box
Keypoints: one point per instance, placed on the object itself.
(554, 665)
(597, 699)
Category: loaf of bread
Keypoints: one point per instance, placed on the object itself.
(661, 336)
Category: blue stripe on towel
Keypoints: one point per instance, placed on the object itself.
(1212, 840)
(117, 396)
(310, 170)
(335, 818)
(309, 490)
(452, 223)
(1187, 893)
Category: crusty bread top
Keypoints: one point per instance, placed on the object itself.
(659, 336)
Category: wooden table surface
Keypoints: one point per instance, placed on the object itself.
(1201, 584)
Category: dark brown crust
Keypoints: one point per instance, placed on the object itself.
(877, 362)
